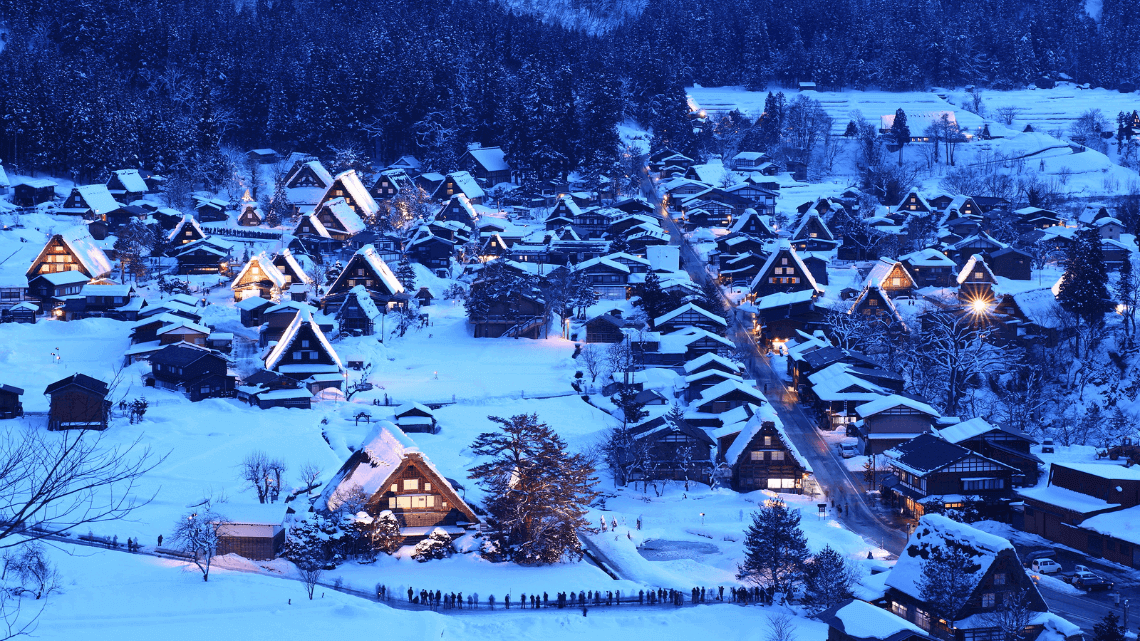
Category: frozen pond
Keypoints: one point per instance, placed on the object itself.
(663, 550)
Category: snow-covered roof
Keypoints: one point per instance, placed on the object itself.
(372, 257)
(78, 239)
(1039, 305)
(367, 305)
(186, 220)
(865, 621)
(727, 387)
(491, 158)
(65, 278)
(602, 260)
(689, 307)
(349, 221)
(1122, 524)
(184, 324)
(322, 174)
(356, 190)
(1066, 499)
(295, 266)
(286, 341)
(408, 407)
(966, 430)
(762, 413)
(268, 270)
(928, 257)
(467, 184)
(318, 227)
(3, 177)
(976, 263)
(935, 530)
(1110, 471)
(894, 400)
(131, 180)
(812, 214)
(98, 199)
(678, 341)
(710, 357)
(783, 246)
(781, 299)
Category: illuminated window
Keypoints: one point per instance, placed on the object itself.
(411, 484)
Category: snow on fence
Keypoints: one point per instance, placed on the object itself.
(243, 233)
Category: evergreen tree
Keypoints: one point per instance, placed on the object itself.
(436, 546)
(537, 491)
(771, 122)
(828, 579)
(775, 549)
(1109, 628)
(1126, 295)
(900, 132)
(1084, 285)
(652, 298)
(406, 273)
(947, 579)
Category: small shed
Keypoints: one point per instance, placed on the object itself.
(10, 406)
(416, 417)
(24, 312)
(424, 297)
(256, 532)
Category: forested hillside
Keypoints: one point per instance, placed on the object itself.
(90, 84)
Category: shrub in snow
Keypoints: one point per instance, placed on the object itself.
(436, 546)
(386, 533)
(314, 541)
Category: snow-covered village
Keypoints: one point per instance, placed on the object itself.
(489, 319)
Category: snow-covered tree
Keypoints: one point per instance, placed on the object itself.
(948, 578)
(537, 491)
(197, 534)
(436, 546)
(1084, 286)
(828, 578)
(775, 548)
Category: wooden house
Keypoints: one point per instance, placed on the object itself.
(211, 210)
(127, 185)
(263, 156)
(251, 310)
(980, 243)
(183, 331)
(259, 277)
(267, 390)
(726, 396)
(89, 201)
(606, 328)
(207, 256)
(305, 185)
(999, 578)
(346, 185)
(291, 269)
(358, 315)
(367, 269)
(762, 457)
(891, 276)
(930, 268)
(201, 372)
(339, 219)
(424, 296)
(185, 232)
(873, 303)
(24, 312)
(30, 192)
(78, 402)
(1005, 445)
(254, 532)
(429, 182)
(752, 224)
(459, 182)
(1109, 228)
(855, 620)
(783, 272)
(391, 183)
(913, 203)
(690, 315)
(416, 417)
(679, 451)
(277, 318)
(710, 362)
(303, 351)
(487, 164)
(430, 250)
(249, 215)
(311, 234)
(72, 250)
(930, 473)
(817, 267)
(522, 315)
(1010, 263)
(890, 420)
(749, 161)
(976, 281)
(397, 477)
(609, 278)
(812, 234)
(10, 406)
(458, 209)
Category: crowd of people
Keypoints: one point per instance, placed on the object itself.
(583, 599)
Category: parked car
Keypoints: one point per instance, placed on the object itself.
(1045, 566)
(1090, 581)
(848, 449)
(1047, 446)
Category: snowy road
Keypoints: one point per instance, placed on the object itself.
(830, 472)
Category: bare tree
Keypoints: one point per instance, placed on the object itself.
(310, 575)
(264, 474)
(591, 359)
(35, 572)
(198, 533)
(1012, 616)
(310, 475)
(54, 482)
(361, 384)
(952, 351)
(1007, 114)
(781, 627)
